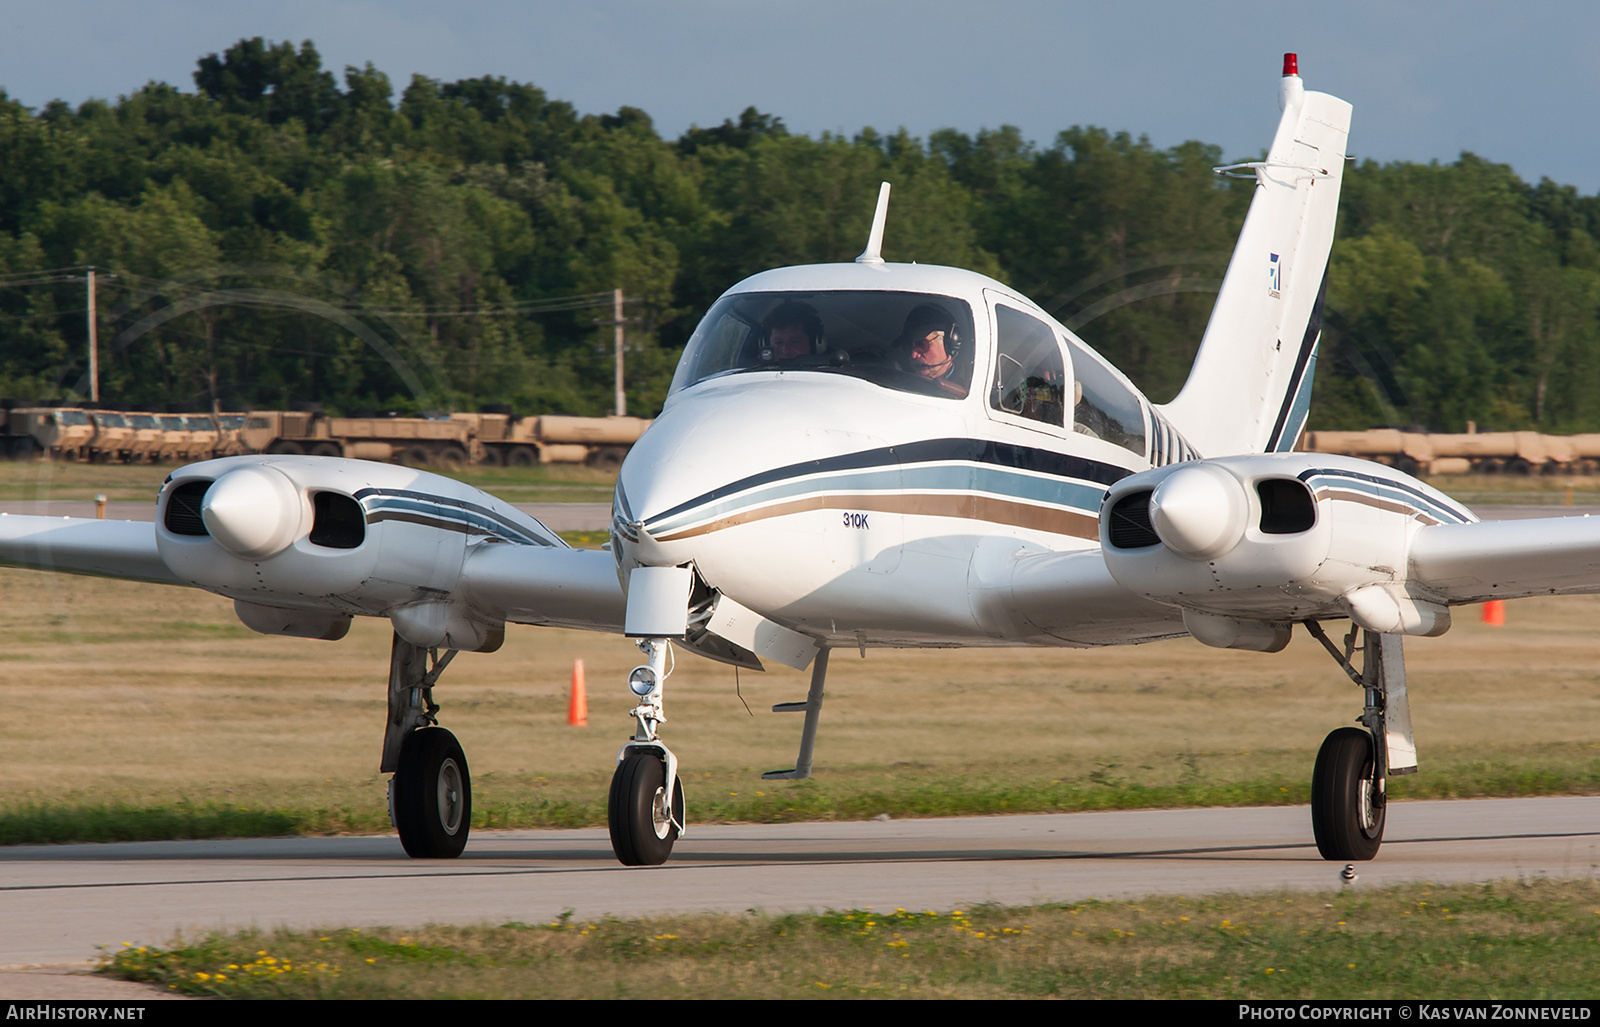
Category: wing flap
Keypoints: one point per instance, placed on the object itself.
(575, 588)
(1465, 563)
(82, 545)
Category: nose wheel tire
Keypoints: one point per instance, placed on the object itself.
(643, 826)
(1347, 811)
(432, 795)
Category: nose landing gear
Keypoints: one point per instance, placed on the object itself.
(643, 821)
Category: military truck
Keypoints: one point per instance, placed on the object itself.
(1509, 452)
(417, 441)
(113, 441)
(55, 433)
(553, 438)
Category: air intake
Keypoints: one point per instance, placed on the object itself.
(1286, 506)
(183, 508)
(1130, 522)
(340, 522)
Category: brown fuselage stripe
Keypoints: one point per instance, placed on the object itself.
(964, 505)
(1382, 504)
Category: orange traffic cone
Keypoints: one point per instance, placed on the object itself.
(1494, 613)
(578, 703)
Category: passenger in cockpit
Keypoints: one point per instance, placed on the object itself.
(792, 330)
(928, 346)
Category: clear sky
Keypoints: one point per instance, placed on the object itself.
(1515, 83)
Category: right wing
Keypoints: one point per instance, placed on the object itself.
(78, 545)
(572, 588)
(302, 544)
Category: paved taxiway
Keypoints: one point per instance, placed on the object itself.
(58, 904)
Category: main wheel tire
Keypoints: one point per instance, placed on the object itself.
(286, 449)
(432, 795)
(522, 456)
(642, 830)
(326, 449)
(1346, 817)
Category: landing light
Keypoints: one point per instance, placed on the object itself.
(642, 680)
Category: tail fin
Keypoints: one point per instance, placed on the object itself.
(1250, 388)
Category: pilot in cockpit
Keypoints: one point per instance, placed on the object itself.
(792, 330)
(928, 346)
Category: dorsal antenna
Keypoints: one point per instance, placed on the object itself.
(873, 254)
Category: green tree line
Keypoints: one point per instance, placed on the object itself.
(280, 236)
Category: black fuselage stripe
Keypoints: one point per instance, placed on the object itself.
(509, 525)
(999, 454)
(1330, 472)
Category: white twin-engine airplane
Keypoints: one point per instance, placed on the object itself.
(875, 454)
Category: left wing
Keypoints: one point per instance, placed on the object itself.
(1245, 546)
(1471, 563)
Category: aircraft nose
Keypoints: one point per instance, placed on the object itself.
(708, 448)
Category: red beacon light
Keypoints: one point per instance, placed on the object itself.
(1291, 65)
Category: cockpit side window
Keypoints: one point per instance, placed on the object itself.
(1030, 375)
(910, 342)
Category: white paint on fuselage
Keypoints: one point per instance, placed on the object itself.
(748, 476)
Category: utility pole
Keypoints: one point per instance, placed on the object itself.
(616, 315)
(94, 346)
(616, 322)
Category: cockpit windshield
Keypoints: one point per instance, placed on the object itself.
(913, 342)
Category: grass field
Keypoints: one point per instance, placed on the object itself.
(151, 712)
(1514, 940)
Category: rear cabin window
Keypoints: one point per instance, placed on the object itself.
(1103, 406)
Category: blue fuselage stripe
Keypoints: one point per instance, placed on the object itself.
(952, 478)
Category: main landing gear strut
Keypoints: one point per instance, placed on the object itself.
(430, 795)
(1348, 784)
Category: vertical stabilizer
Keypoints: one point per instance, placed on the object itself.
(1250, 388)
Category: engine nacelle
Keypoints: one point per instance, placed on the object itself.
(1246, 545)
(303, 543)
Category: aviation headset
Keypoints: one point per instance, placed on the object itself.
(930, 317)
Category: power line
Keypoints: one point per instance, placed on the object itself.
(547, 305)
